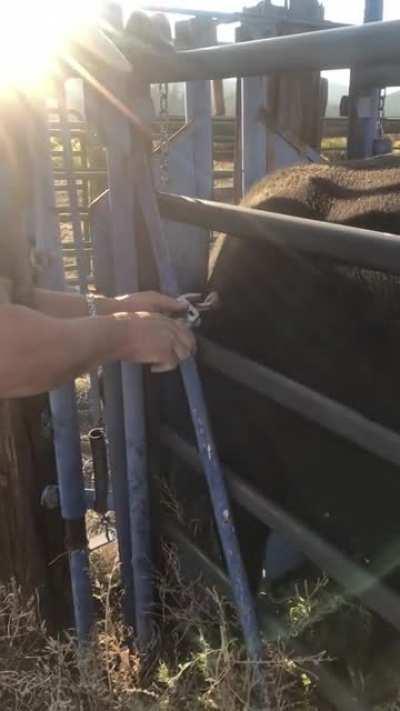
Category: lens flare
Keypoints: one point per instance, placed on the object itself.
(33, 35)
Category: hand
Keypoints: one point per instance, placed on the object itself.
(156, 340)
(152, 302)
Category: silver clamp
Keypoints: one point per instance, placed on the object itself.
(195, 306)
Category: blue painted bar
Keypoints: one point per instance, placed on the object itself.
(100, 227)
(209, 457)
(114, 422)
(62, 401)
(364, 104)
(254, 131)
(121, 169)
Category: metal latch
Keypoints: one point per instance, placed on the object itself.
(195, 306)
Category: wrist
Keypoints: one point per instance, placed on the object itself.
(120, 335)
(105, 306)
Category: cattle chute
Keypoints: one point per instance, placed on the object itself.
(325, 49)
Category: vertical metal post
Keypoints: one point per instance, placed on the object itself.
(62, 401)
(121, 171)
(114, 411)
(198, 109)
(192, 261)
(364, 105)
(254, 132)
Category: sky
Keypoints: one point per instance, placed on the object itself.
(350, 11)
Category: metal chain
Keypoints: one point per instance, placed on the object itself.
(381, 112)
(164, 134)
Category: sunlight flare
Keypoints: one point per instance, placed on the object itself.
(34, 34)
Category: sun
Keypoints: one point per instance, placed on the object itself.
(33, 36)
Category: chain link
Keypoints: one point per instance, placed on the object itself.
(381, 113)
(164, 134)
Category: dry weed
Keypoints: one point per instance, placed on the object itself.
(200, 665)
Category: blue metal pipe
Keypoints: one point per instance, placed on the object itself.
(373, 10)
(121, 170)
(100, 226)
(62, 400)
(114, 423)
(68, 452)
(363, 122)
(207, 450)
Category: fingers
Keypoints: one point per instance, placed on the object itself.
(181, 351)
(193, 298)
(182, 346)
(159, 340)
(165, 367)
(184, 338)
(168, 305)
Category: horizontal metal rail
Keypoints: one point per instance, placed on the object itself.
(379, 75)
(55, 130)
(366, 248)
(338, 127)
(65, 212)
(85, 174)
(333, 416)
(229, 17)
(225, 17)
(372, 43)
(355, 579)
(194, 558)
(222, 174)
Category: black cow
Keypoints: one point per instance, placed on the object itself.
(332, 327)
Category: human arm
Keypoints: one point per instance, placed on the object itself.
(64, 304)
(40, 352)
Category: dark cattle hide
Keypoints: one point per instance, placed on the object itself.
(332, 327)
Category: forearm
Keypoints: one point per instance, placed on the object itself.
(39, 353)
(65, 304)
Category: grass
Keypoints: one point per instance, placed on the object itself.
(199, 665)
